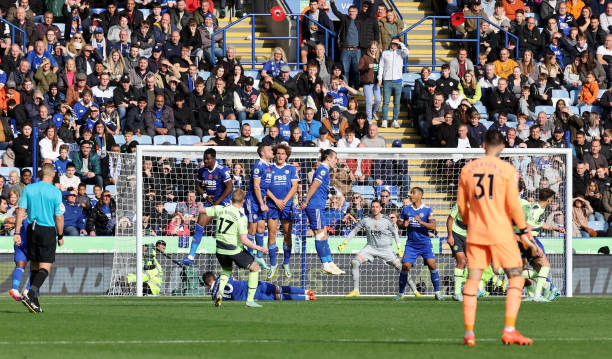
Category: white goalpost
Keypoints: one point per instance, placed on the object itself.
(164, 176)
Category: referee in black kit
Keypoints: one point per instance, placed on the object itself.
(43, 203)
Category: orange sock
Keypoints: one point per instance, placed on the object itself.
(469, 304)
(513, 299)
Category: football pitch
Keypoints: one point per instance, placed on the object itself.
(367, 327)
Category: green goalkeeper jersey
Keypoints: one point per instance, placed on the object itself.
(536, 219)
(458, 226)
(231, 223)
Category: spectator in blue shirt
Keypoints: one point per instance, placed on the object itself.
(500, 124)
(273, 66)
(61, 162)
(476, 130)
(37, 56)
(309, 127)
(339, 90)
(74, 219)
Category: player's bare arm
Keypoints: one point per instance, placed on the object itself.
(249, 244)
(199, 187)
(59, 225)
(449, 229)
(18, 222)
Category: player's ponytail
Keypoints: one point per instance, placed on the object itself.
(325, 154)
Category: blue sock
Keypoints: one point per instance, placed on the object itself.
(403, 280)
(323, 251)
(286, 253)
(252, 239)
(435, 279)
(292, 297)
(197, 238)
(17, 274)
(259, 237)
(272, 252)
(287, 289)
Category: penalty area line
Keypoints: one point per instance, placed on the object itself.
(277, 341)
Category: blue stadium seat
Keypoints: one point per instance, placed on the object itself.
(143, 140)
(601, 92)
(89, 189)
(591, 108)
(560, 94)
(549, 110)
(119, 139)
(111, 188)
(187, 140)
(62, 27)
(145, 12)
(204, 75)
(256, 75)
(99, 11)
(482, 111)
(5, 171)
(435, 76)
(575, 110)
(294, 73)
(393, 191)
(170, 207)
(409, 78)
(160, 139)
(257, 128)
(367, 192)
(206, 138)
(231, 125)
(486, 123)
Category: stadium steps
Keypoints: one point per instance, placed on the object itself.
(239, 36)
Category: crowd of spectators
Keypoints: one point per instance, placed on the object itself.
(118, 72)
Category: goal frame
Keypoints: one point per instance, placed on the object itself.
(406, 153)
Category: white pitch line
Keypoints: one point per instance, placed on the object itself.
(266, 341)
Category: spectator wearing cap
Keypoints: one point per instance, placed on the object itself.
(184, 118)
(471, 24)
(102, 92)
(143, 37)
(323, 142)
(159, 120)
(74, 218)
(288, 82)
(73, 94)
(135, 118)
(245, 138)
(133, 15)
(208, 117)
(247, 101)
(206, 31)
(99, 43)
(221, 138)
(86, 61)
(102, 219)
(308, 126)
(336, 125)
(558, 138)
(39, 54)
(124, 96)
(313, 34)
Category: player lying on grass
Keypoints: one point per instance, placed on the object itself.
(536, 219)
(381, 234)
(231, 236)
(419, 220)
(284, 184)
(214, 180)
(153, 272)
(20, 257)
(488, 200)
(237, 290)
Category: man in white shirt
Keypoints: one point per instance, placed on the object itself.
(605, 19)
(390, 70)
(604, 55)
(68, 179)
(349, 140)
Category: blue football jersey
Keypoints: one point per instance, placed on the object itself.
(318, 199)
(260, 170)
(282, 179)
(285, 130)
(214, 181)
(340, 96)
(416, 231)
(234, 290)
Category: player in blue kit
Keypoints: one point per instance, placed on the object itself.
(255, 206)
(237, 290)
(21, 260)
(214, 180)
(418, 220)
(314, 204)
(283, 187)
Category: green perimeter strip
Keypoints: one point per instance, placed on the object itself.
(126, 244)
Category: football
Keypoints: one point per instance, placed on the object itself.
(267, 120)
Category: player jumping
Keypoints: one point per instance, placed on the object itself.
(237, 290)
(488, 201)
(284, 184)
(255, 206)
(231, 231)
(381, 234)
(314, 203)
(214, 180)
(419, 220)
(457, 231)
(540, 263)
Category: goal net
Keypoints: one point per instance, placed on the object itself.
(157, 195)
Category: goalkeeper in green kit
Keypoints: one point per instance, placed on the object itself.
(231, 237)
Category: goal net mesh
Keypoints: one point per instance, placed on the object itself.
(170, 207)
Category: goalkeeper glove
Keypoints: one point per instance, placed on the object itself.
(400, 252)
(342, 246)
(528, 241)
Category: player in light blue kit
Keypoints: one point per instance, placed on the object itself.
(418, 220)
(283, 187)
(255, 206)
(238, 290)
(314, 204)
(21, 260)
(214, 180)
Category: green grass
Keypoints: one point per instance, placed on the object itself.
(100, 327)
